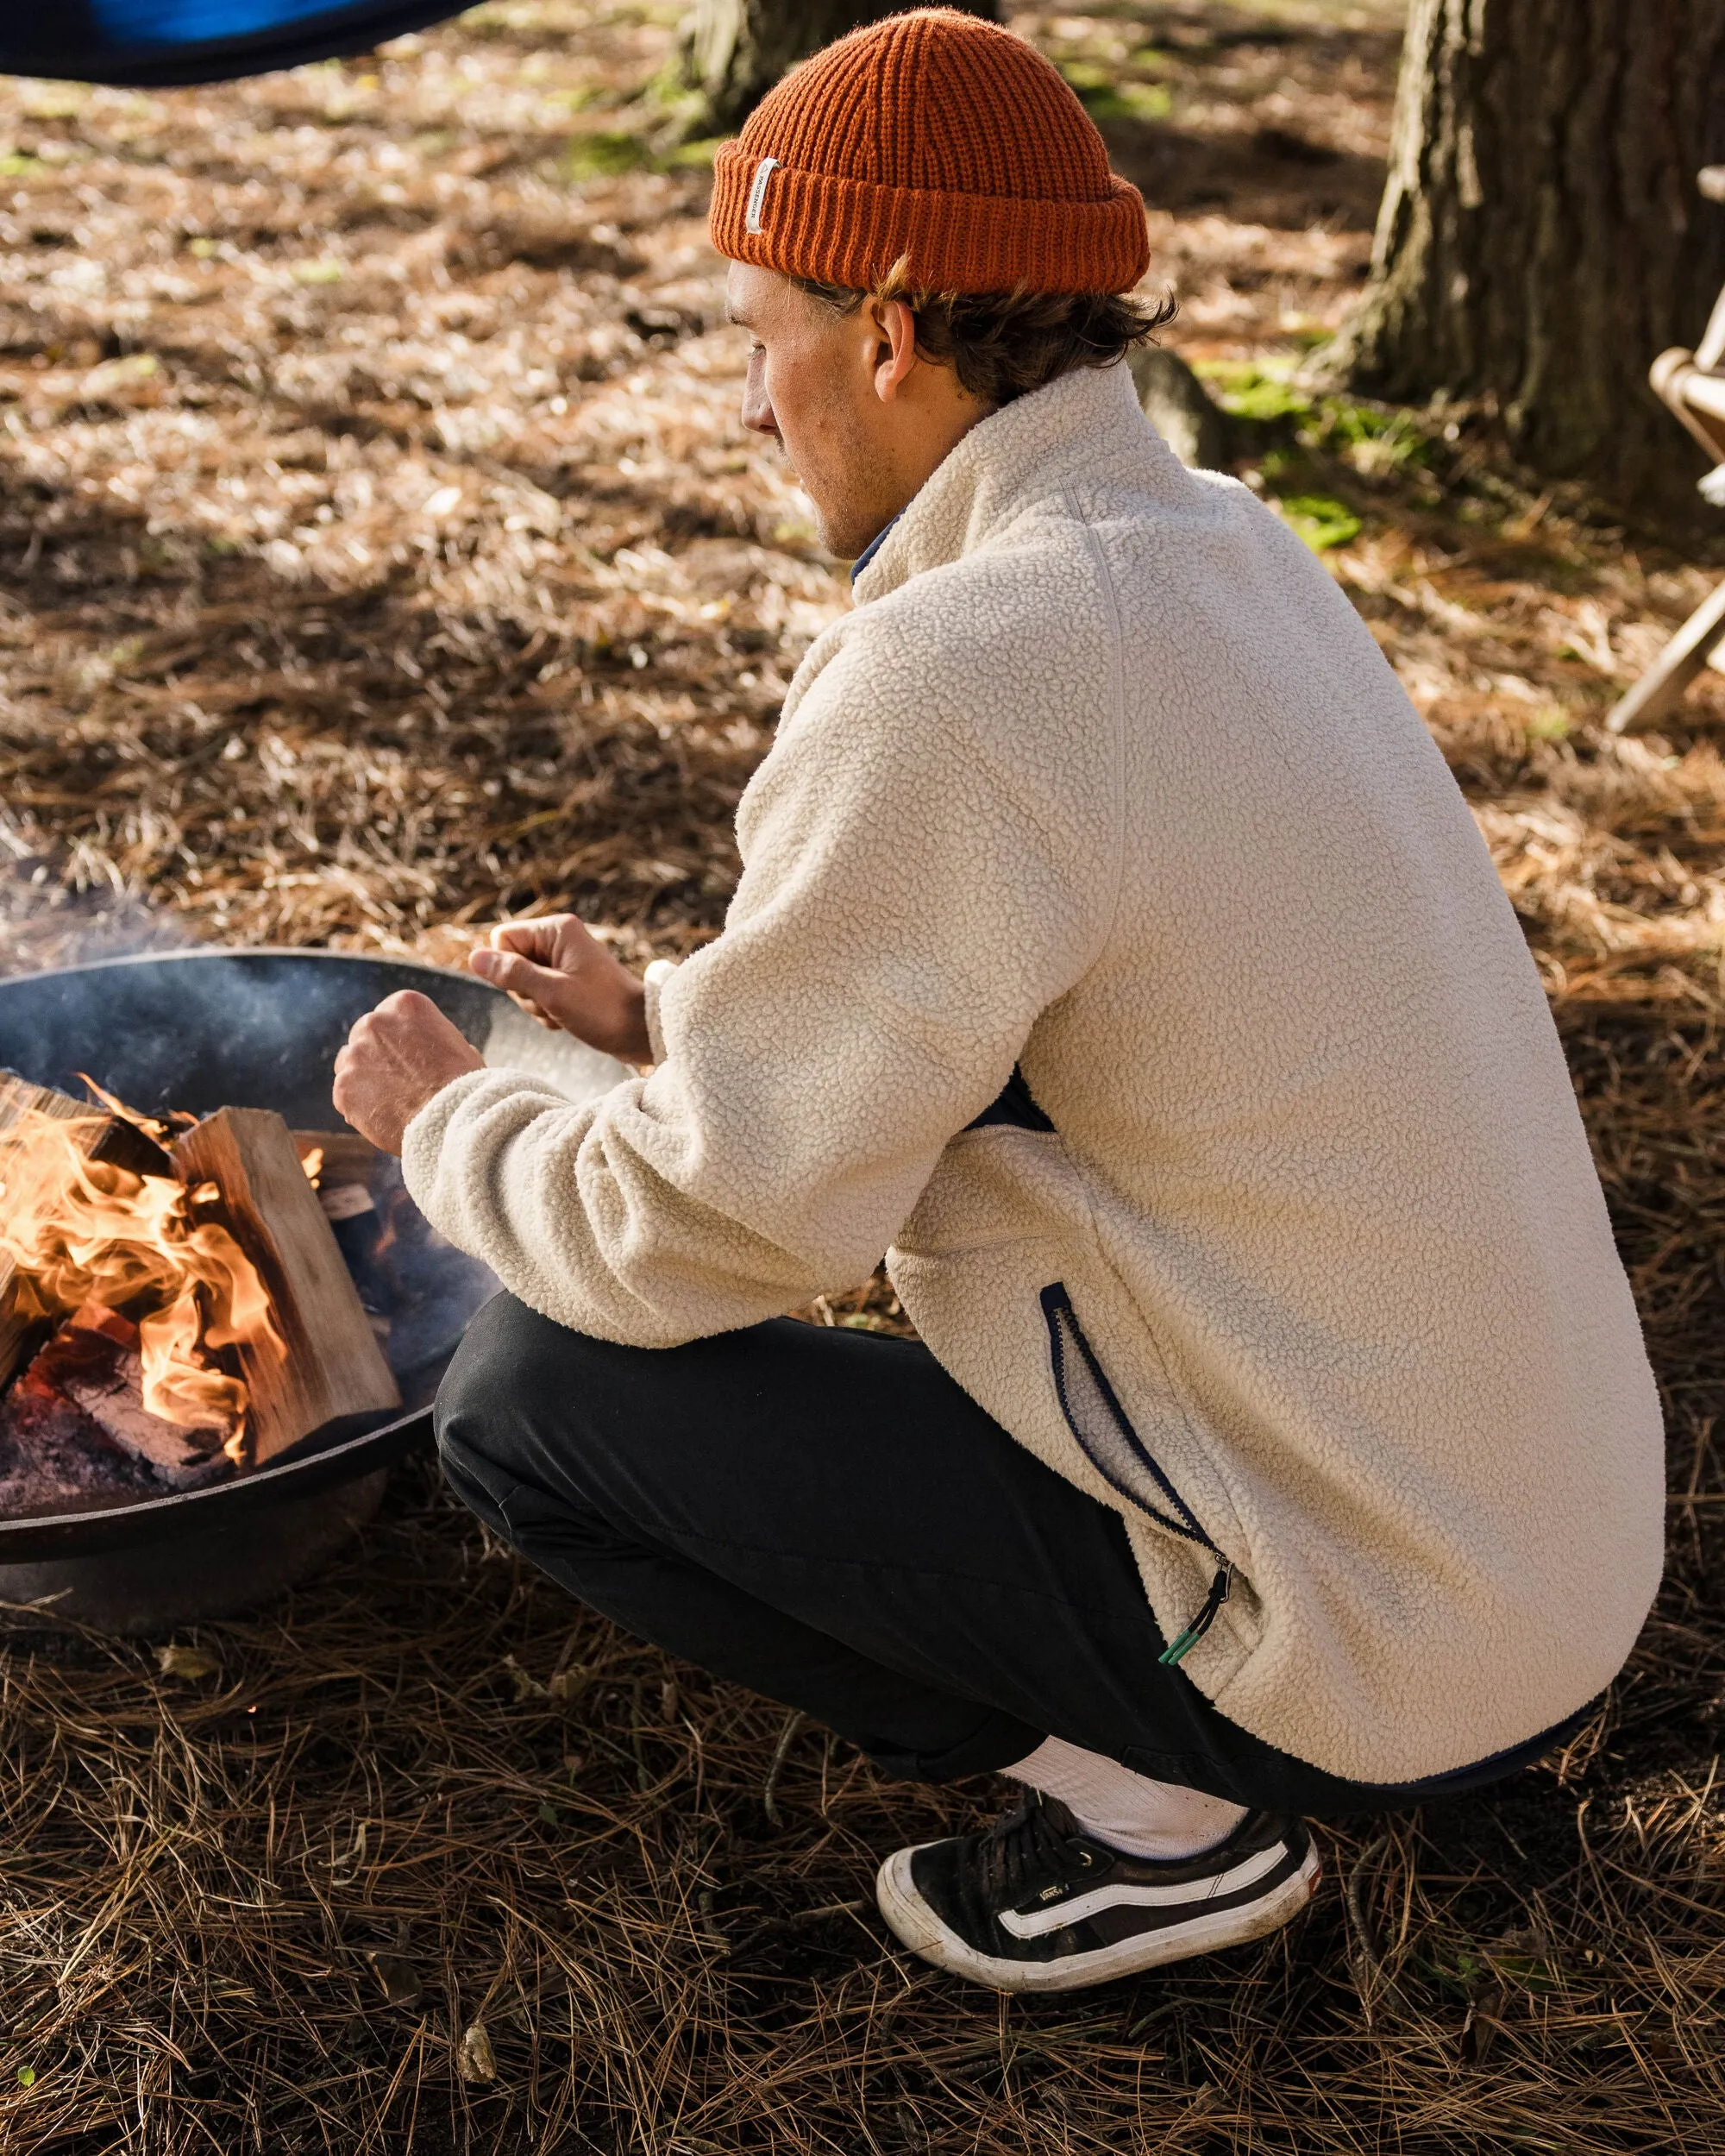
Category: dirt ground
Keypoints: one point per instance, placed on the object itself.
(382, 552)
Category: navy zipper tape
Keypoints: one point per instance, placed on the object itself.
(1056, 1304)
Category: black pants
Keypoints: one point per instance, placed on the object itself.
(824, 1515)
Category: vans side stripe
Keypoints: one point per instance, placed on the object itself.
(1195, 1893)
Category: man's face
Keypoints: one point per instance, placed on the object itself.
(810, 383)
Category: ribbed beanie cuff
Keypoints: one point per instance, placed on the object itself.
(935, 139)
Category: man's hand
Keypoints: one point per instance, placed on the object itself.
(396, 1057)
(567, 980)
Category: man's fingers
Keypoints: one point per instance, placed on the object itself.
(405, 1012)
(407, 1003)
(516, 935)
(520, 977)
(529, 939)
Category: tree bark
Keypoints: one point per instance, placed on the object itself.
(734, 51)
(1542, 238)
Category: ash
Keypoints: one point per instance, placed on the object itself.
(75, 1434)
(55, 1457)
(99, 1368)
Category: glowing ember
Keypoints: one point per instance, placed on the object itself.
(77, 1232)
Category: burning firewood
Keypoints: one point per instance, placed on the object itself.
(337, 1160)
(94, 1359)
(177, 1311)
(100, 1137)
(124, 1140)
(55, 1458)
(75, 1431)
(342, 1168)
(76, 1230)
(243, 1162)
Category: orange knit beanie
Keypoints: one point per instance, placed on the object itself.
(937, 139)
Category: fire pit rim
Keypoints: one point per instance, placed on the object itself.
(174, 952)
(210, 952)
(108, 1527)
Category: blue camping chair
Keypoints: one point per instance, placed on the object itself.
(153, 44)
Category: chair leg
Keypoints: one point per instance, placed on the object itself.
(1675, 668)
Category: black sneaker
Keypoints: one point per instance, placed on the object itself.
(1035, 1905)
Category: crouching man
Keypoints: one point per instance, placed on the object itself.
(1112, 943)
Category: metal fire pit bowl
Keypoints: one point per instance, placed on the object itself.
(202, 1030)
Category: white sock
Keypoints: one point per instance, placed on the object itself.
(1128, 1810)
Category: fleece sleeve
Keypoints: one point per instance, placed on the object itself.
(920, 881)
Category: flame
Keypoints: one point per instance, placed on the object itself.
(312, 1162)
(160, 1128)
(75, 1231)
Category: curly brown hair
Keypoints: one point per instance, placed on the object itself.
(1004, 344)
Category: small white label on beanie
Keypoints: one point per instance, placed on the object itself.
(757, 193)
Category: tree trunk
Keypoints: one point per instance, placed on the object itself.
(734, 51)
(1542, 238)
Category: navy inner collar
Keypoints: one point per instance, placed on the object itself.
(872, 549)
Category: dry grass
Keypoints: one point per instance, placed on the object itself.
(382, 551)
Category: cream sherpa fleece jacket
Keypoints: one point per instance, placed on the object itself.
(1103, 779)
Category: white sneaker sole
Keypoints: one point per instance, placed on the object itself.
(912, 1921)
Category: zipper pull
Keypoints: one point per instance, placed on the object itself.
(1177, 1650)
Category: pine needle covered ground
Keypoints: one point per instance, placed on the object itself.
(381, 551)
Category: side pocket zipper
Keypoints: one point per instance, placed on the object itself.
(1114, 1449)
(1177, 1648)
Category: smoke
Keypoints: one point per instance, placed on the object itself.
(46, 923)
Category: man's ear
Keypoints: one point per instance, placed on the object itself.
(895, 355)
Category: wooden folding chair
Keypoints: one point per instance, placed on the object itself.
(1693, 385)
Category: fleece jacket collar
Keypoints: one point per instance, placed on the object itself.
(1023, 449)
(872, 549)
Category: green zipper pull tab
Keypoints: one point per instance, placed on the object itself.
(1177, 1650)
